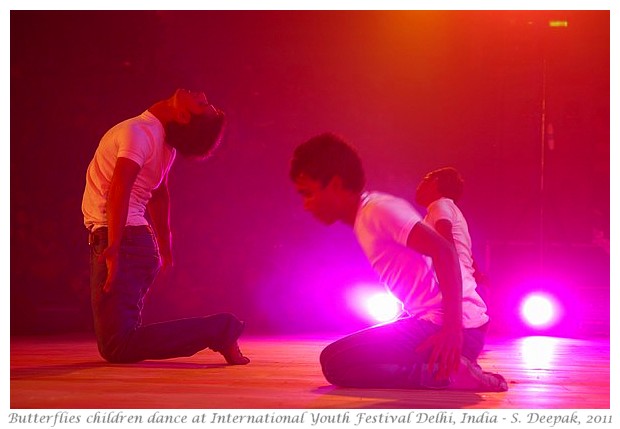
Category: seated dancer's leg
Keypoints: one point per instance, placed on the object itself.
(176, 338)
(383, 356)
(185, 337)
(470, 375)
(122, 338)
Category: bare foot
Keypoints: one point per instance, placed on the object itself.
(471, 377)
(233, 355)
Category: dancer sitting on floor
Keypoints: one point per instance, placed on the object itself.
(439, 191)
(437, 346)
(128, 176)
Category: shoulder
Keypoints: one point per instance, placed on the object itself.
(138, 130)
(136, 139)
(382, 203)
(380, 208)
(442, 202)
(444, 207)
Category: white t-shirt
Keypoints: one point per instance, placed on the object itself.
(382, 227)
(141, 139)
(444, 208)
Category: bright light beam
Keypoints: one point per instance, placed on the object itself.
(539, 310)
(383, 307)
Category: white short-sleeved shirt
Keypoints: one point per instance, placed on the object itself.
(444, 208)
(141, 139)
(382, 227)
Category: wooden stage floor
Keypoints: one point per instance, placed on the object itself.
(66, 372)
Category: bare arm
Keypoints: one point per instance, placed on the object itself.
(117, 206)
(445, 260)
(444, 228)
(446, 345)
(159, 212)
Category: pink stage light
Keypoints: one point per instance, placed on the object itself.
(373, 303)
(383, 307)
(540, 311)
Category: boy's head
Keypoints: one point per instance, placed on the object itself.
(443, 182)
(325, 156)
(197, 127)
(199, 137)
(328, 174)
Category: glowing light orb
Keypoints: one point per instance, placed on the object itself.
(383, 307)
(540, 310)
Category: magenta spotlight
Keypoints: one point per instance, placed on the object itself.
(540, 311)
(373, 303)
(383, 307)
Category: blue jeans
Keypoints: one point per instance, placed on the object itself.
(121, 336)
(384, 356)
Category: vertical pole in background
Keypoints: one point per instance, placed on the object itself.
(543, 127)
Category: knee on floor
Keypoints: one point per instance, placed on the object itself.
(114, 353)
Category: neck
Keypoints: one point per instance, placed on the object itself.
(351, 208)
(163, 111)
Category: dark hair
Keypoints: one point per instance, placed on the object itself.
(199, 137)
(326, 156)
(449, 182)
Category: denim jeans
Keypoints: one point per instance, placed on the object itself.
(121, 336)
(385, 356)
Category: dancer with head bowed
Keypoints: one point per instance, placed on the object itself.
(438, 344)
